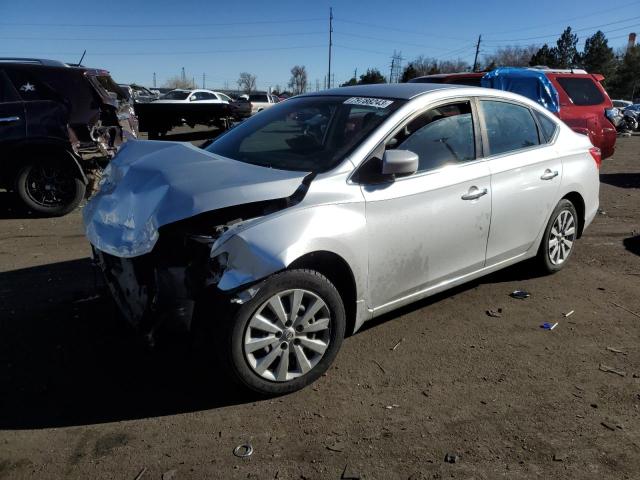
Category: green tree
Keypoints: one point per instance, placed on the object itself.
(626, 83)
(372, 75)
(408, 73)
(598, 56)
(566, 50)
(545, 56)
(350, 82)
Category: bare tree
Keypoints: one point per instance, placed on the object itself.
(511, 56)
(179, 82)
(298, 81)
(247, 82)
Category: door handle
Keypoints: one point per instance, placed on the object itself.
(548, 174)
(474, 193)
(9, 119)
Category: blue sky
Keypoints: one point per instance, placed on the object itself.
(134, 39)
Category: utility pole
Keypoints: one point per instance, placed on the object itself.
(355, 74)
(183, 76)
(392, 68)
(330, 44)
(203, 81)
(154, 79)
(475, 60)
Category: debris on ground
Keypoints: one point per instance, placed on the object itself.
(615, 350)
(349, 475)
(336, 447)
(142, 472)
(601, 211)
(169, 474)
(608, 426)
(451, 458)
(559, 457)
(380, 367)
(243, 451)
(88, 299)
(399, 342)
(625, 309)
(549, 326)
(520, 294)
(389, 407)
(495, 313)
(605, 368)
(568, 314)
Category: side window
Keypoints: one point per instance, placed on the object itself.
(441, 136)
(7, 92)
(547, 127)
(29, 87)
(509, 126)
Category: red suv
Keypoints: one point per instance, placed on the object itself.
(583, 103)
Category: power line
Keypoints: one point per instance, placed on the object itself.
(128, 39)
(573, 30)
(163, 25)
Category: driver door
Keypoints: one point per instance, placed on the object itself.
(429, 228)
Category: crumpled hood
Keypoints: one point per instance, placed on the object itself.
(150, 184)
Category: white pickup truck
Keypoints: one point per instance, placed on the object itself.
(261, 101)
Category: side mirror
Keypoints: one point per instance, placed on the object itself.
(399, 162)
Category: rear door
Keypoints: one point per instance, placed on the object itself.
(12, 115)
(525, 177)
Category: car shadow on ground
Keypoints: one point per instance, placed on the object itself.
(12, 208)
(67, 358)
(622, 180)
(632, 244)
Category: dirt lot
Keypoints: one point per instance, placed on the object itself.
(80, 397)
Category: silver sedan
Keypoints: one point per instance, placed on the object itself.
(297, 226)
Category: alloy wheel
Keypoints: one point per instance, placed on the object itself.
(561, 237)
(287, 335)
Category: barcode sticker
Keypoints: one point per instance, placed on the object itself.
(369, 102)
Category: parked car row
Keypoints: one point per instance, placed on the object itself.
(575, 96)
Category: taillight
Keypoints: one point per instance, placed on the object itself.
(597, 156)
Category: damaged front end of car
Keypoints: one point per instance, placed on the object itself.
(155, 232)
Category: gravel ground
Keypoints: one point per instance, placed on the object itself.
(81, 398)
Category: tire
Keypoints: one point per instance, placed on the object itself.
(324, 330)
(50, 188)
(561, 230)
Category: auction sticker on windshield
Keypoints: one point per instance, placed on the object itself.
(369, 102)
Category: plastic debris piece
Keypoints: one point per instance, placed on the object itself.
(520, 294)
(608, 426)
(396, 345)
(568, 314)
(549, 326)
(451, 458)
(607, 369)
(495, 313)
(243, 451)
(169, 474)
(142, 472)
(615, 350)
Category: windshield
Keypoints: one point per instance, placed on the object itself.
(176, 95)
(307, 133)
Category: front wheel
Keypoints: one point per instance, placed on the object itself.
(287, 335)
(50, 188)
(559, 237)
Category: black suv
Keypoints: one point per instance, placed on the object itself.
(59, 125)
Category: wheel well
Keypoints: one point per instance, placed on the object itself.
(337, 270)
(21, 153)
(578, 202)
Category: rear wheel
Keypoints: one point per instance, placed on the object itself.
(559, 237)
(287, 335)
(50, 188)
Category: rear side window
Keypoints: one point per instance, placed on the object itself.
(259, 98)
(472, 82)
(29, 87)
(547, 127)
(7, 93)
(510, 127)
(441, 136)
(581, 91)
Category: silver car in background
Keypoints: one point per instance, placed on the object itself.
(294, 228)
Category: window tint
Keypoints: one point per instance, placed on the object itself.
(547, 126)
(581, 91)
(441, 136)
(7, 93)
(509, 127)
(258, 98)
(224, 98)
(471, 81)
(29, 87)
(175, 95)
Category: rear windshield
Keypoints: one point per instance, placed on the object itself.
(581, 91)
(176, 95)
(258, 98)
(311, 134)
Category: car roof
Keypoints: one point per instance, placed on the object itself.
(405, 91)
